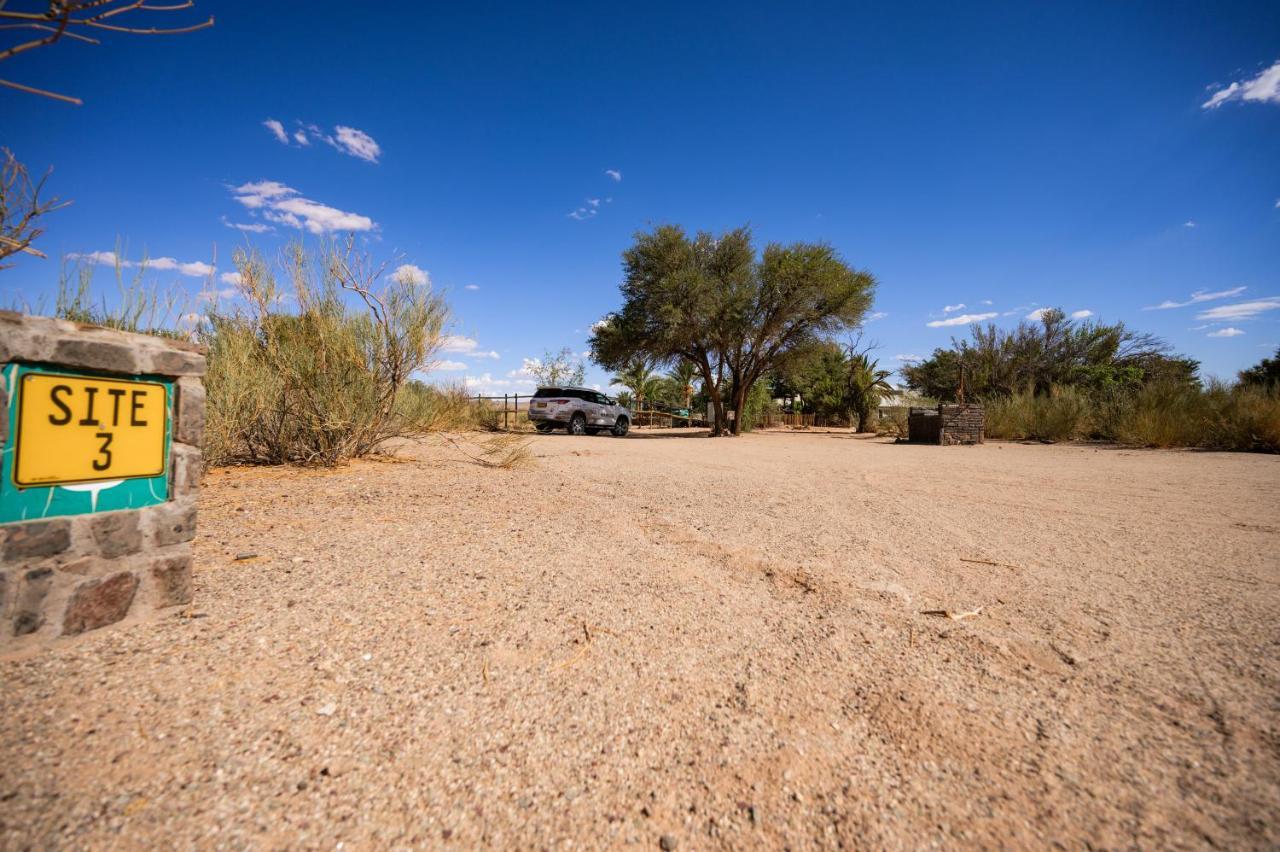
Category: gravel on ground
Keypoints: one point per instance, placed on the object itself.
(680, 642)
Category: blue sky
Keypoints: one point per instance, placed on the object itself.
(1101, 157)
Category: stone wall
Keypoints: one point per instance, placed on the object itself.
(947, 425)
(961, 424)
(61, 576)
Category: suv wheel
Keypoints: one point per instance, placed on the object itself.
(620, 428)
(578, 425)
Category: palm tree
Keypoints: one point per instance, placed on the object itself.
(639, 378)
(682, 376)
(866, 384)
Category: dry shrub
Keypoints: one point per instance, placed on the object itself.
(893, 422)
(438, 409)
(1062, 415)
(506, 451)
(1217, 417)
(320, 382)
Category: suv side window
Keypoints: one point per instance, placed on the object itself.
(601, 399)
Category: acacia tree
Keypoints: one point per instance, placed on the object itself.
(798, 293)
(678, 295)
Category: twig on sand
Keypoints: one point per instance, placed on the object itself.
(954, 616)
(989, 562)
(587, 630)
(502, 451)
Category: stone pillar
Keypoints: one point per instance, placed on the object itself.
(964, 423)
(78, 557)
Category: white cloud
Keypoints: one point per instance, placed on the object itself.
(217, 295)
(283, 205)
(1227, 332)
(1241, 310)
(106, 258)
(447, 366)
(598, 324)
(1196, 298)
(277, 130)
(230, 278)
(1264, 88)
(357, 143)
(459, 345)
(614, 173)
(878, 315)
(348, 140)
(407, 273)
(527, 368)
(985, 302)
(587, 212)
(1081, 314)
(908, 357)
(248, 227)
(472, 287)
(1036, 315)
(1189, 224)
(947, 309)
(963, 319)
(485, 383)
(192, 269)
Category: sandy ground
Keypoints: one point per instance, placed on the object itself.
(686, 642)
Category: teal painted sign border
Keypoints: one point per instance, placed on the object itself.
(51, 501)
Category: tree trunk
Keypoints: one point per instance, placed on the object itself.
(739, 403)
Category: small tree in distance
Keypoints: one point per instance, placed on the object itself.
(1266, 373)
(557, 369)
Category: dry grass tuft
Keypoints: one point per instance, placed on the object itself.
(504, 450)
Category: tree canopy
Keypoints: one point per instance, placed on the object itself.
(1055, 351)
(709, 301)
(1264, 373)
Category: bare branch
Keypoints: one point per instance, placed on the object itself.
(21, 208)
(42, 92)
(64, 16)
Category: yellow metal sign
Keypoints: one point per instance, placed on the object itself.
(85, 429)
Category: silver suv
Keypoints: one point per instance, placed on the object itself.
(582, 411)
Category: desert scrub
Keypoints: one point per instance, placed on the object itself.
(428, 408)
(1219, 417)
(318, 381)
(1061, 415)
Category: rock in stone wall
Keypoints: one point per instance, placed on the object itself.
(63, 576)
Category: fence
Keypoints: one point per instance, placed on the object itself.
(778, 419)
(510, 411)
